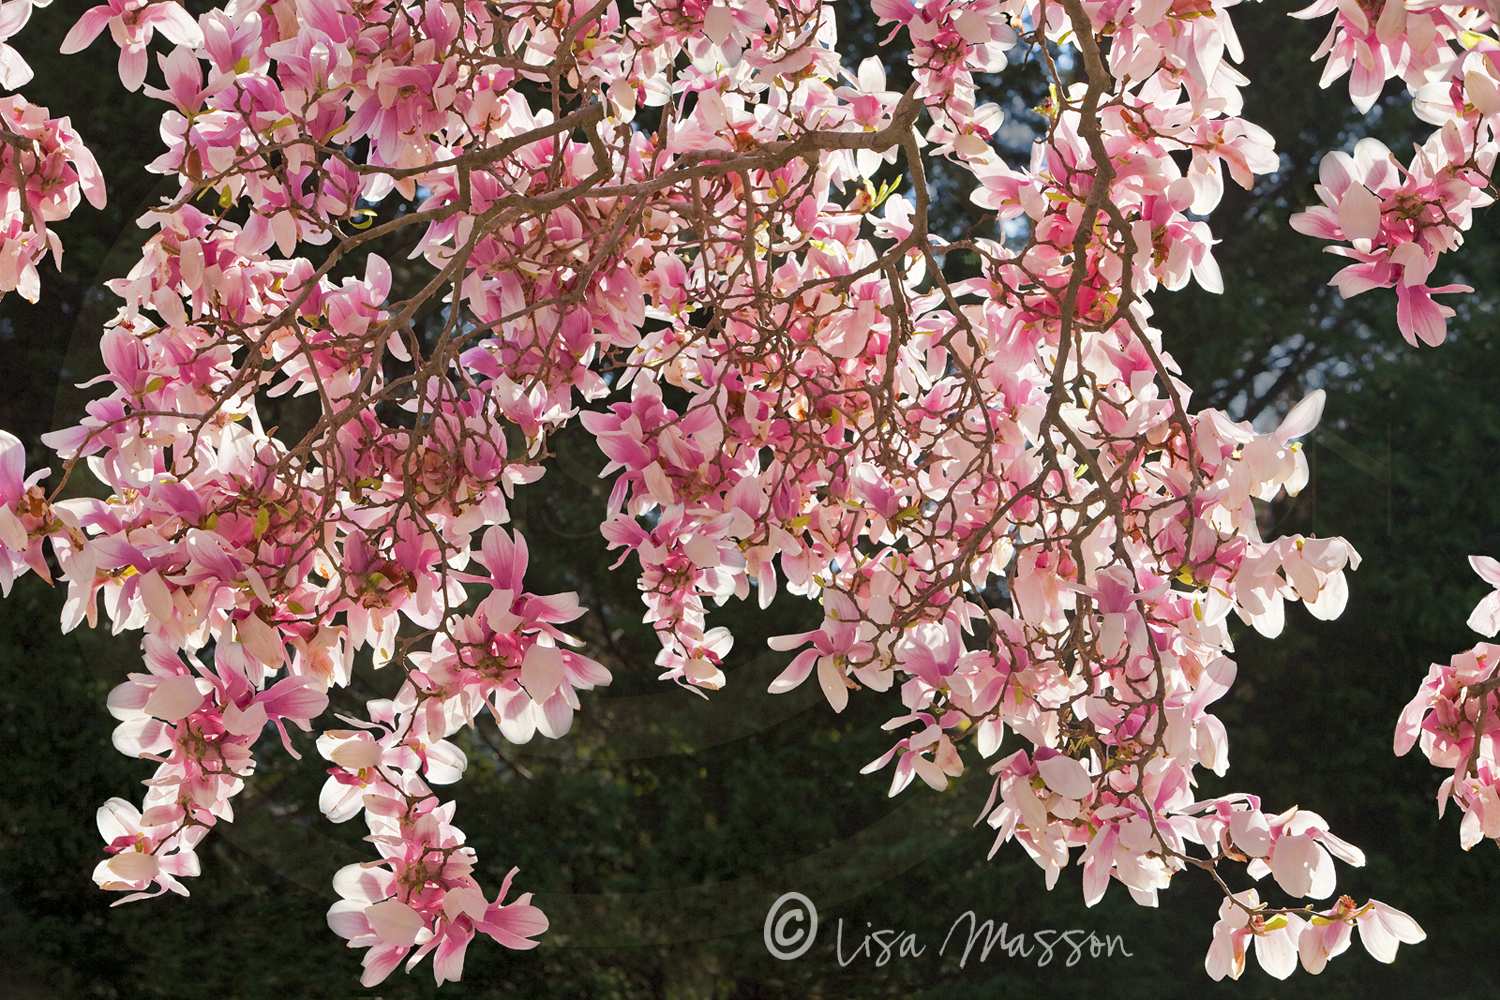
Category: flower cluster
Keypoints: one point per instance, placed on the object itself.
(1395, 220)
(45, 169)
(1282, 939)
(1455, 717)
(995, 486)
(421, 893)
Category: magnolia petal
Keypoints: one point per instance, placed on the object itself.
(174, 698)
(541, 671)
(133, 866)
(395, 922)
(1066, 776)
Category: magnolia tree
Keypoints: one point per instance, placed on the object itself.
(679, 224)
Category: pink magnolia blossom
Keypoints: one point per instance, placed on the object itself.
(1382, 929)
(1275, 939)
(834, 645)
(1485, 618)
(131, 24)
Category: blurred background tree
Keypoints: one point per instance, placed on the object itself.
(659, 831)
